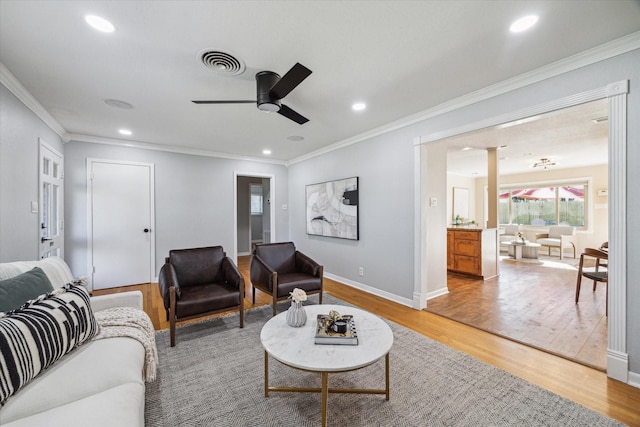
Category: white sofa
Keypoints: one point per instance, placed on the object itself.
(559, 237)
(99, 383)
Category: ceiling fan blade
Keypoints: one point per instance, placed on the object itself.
(289, 81)
(290, 114)
(225, 102)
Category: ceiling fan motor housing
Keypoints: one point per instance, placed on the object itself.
(265, 81)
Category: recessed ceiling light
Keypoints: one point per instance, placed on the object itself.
(600, 119)
(266, 152)
(466, 149)
(359, 106)
(295, 138)
(126, 132)
(99, 23)
(524, 23)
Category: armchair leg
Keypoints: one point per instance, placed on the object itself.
(253, 294)
(275, 301)
(578, 286)
(172, 315)
(274, 291)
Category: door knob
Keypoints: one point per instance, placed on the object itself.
(44, 239)
(146, 230)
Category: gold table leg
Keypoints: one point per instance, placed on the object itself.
(325, 396)
(266, 374)
(324, 389)
(386, 375)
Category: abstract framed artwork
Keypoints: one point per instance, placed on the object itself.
(332, 209)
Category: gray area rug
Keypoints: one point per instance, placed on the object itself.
(215, 377)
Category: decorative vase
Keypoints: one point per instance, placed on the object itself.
(296, 316)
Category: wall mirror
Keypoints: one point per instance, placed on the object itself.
(460, 203)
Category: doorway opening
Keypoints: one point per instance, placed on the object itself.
(434, 241)
(254, 218)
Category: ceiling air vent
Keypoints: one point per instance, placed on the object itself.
(221, 62)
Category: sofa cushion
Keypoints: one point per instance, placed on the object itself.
(92, 369)
(55, 268)
(39, 333)
(16, 291)
(122, 405)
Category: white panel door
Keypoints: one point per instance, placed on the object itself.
(121, 223)
(51, 202)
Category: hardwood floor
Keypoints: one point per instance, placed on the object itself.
(582, 384)
(533, 303)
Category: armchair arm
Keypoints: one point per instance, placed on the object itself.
(231, 273)
(567, 238)
(306, 264)
(124, 299)
(541, 235)
(261, 274)
(168, 279)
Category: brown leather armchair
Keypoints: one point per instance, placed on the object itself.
(199, 281)
(278, 268)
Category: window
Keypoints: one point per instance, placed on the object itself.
(556, 204)
(256, 199)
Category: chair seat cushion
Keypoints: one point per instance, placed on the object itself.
(547, 241)
(598, 276)
(288, 282)
(209, 297)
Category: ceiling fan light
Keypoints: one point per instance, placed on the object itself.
(269, 107)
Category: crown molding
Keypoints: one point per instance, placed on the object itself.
(608, 50)
(16, 88)
(166, 148)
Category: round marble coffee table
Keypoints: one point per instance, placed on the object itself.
(295, 347)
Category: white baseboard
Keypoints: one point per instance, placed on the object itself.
(244, 253)
(634, 379)
(439, 292)
(618, 365)
(370, 290)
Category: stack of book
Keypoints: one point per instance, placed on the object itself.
(326, 335)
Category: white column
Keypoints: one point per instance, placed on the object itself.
(492, 187)
(617, 357)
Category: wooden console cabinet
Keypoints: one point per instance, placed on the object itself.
(473, 251)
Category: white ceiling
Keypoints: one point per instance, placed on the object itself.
(569, 138)
(400, 57)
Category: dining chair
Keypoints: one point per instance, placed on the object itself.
(595, 273)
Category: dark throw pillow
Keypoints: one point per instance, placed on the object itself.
(37, 334)
(14, 292)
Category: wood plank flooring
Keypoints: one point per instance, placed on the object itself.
(533, 303)
(582, 384)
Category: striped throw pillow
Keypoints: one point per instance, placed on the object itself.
(40, 332)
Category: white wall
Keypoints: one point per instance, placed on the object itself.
(20, 130)
(194, 198)
(385, 170)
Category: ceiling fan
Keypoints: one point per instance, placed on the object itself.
(271, 88)
(544, 162)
